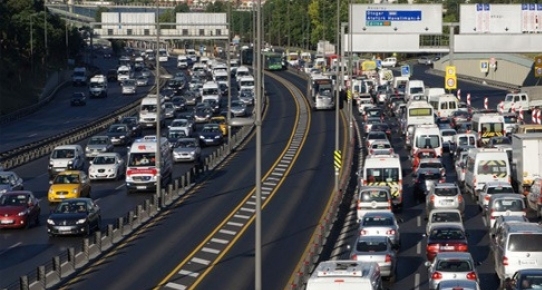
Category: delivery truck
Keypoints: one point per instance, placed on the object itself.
(527, 157)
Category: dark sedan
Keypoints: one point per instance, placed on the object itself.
(120, 134)
(133, 123)
(74, 217)
(78, 99)
(446, 238)
(19, 209)
(211, 135)
(425, 178)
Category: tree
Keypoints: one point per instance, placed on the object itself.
(182, 8)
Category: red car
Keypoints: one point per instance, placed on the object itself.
(19, 209)
(446, 238)
(421, 154)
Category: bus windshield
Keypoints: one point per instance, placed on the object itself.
(420, 112)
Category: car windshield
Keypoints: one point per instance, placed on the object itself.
(375, 221)
(13, 199)
(97, 141)
(429, 175)
(374, 195)
(186, 144)
(493, 167)
(445, 217)
(426, 141)
(4, 179)
(179, 123)
(466, 140)
(141, 159)
(431, 165)
(72, 207)
(501, 141)
(129, 83)
(148, 108)
(376, 135)
(509, 205)
(446, 191)
(100, 160)
(66, 179)
(210, 129)
(116, 129)
(447, 234)
(176, 134)
(522, 242)
(374, 113)
(63, 153)
(371, 246)
(454, 266)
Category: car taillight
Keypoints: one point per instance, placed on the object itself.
(432, 248)
(460, 198)
(474, 181)
(432, 198)
(362, 233)
(391, 151)
(442, 180)
(491, 215)
(462, 248)
(540, 199)
(371, 151)
(388, 259)
(436, 276)
(359, 206)
(390, 232)
(417, 181)
(486, 198)
(504, 261)
(354, 257)
(471, 276)
(388, 132)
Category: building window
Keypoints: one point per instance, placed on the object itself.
(185, 32)
(202, 32)
(129, 31)
(218, 32)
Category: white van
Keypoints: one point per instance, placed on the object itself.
(221, 76)
(141, 170)
(487, 126)
(414, 87)
(444, 104)
(426, 136)
(210, 91)
(241, 71)
(124, 73)
(246, 83)
(484, 165)
(163, 55)
(384, 170)
(433, 94)
(191, 53)
(148, 110)
(345, 275)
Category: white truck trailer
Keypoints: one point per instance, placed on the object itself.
(527, 157)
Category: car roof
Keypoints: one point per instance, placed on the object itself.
(428, 170)
(448, 225)
(498, 184)
(446, 184)
(506, 196)
(379, 213)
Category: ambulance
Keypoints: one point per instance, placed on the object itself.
(345, 275)
(485, 165)
(487, 126)
(141, 173)
(384, 170)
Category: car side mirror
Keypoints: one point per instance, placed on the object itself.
(427, 264)
(91, 162)
(50, 182)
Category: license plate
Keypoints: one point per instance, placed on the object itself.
(6, 222)
(446, 202)
(64, 229)
(447, 248)
(209, 140)
(141, 187)
(523, 262)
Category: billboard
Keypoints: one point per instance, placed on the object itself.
(499, 18)
(396, 18)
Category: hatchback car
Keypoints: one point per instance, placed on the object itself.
(187, 150)
(142, 81)
(183, 125)
(504, 204)
(129, 87)
(238, 108)
(444, 195)
(78, 99)
(211, 135)
(458, 284)
(443, 216)
(9, 181)
(378, 249)
(425, 60)
(375, 136)
(380, 147)
(107, 166)
(451, 266)
(446, 238)
(19, 209)
(203, 114)
(120, 134)
(424, 180)
(97, 145)
(69, 184)
(503, 219)
(133, 123)
(491, 188)
(433, 163)
(525, 279)
(422, 153)
(74, 217)
(380, 223)
(373, 198)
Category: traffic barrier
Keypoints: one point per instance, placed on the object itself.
(459, 94)
(520, 115)
(501, 107)
(538, 117)
(468, 100)
(485, 103)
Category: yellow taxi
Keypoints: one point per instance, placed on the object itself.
(69, 184)
(221, 122)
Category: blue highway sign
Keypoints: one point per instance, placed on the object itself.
(405, 71)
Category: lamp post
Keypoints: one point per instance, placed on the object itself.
(337, 97)
(158, 107)
(350, 59)
(227, 48)
(258, 124)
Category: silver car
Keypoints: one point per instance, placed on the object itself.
(142, 81)
(10, 181)
(444, 195)
(491, 188)
(169, 110)
(375, 136)
(129, 87)
(380, 147)
(451, 266)
(97, 145)
(238, 108)
(381, 223)
(443, 216)
(378, 249)
(187, 150)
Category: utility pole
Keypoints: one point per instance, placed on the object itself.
(337, 99)
(158, 159)
(227, 49)
(258, 124)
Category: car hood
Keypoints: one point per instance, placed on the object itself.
(115, 134)
(63, 187)
(184, 149)
(101, 166)
(11, 209)
(96, 147)
(67, 216)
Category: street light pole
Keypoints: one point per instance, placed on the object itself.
(350, 59)
(227, 48)
(158, 161)
(337, 99)
(258, 124)
(289, 25)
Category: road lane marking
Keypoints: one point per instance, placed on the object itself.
(175, 286)
(234, 224)
(417, 281)
(210, 250)
(419, 221)
(419, 248)
(219, 241)
(32, 135)
(189, 273)
(227, 232)
(200, 261)
(119, 187)
(245, 217)
(10, 248)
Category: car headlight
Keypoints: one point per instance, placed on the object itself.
(91, 169)
(51, 190)
(81, 221)
(24, 212)
(218, 136)
(122, 137)
(202, 137)
(193, 153)
(75, 190)
(50, 221)
(70, 162)
(87, 149)
(109, 170)
(2, 191)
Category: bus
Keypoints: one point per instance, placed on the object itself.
(247, 56)
(272, 61)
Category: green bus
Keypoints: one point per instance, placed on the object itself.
(272, 61)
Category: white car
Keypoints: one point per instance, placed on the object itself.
(425, 60)
(106, 166)
(142, 81)
(181, 124)
(389, 62)
(129, 87)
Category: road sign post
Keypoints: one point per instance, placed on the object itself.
(405, 71)
(538, 66)
(484, 66)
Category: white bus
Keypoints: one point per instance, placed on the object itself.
(418, 113)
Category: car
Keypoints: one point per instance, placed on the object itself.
(203, 114)
(464, 127)
(380, 147)
(459, 284)
(238, 108)
(370, 122)
(176, 84)
(459, 116)
(191, 97)
(504, 204)
(382, 127)
(525, 279)
(389, 62)
(142, 81)
(211, 104)
(446, 238)
(432, 163)
(182, 125)
(107, 166)
(461, 168)
(120, 134)
(440, 216)
(447, 138)
(19, 209)
(66, 157)
(78, 216)
(378, 249)
(169, 110)
(133, 123)
(444, 195)
(422, 153)
(145, 72)
(373, 198)
(221, 122)
(424, 180)
(129, 87)
(211, 135)
(374, 112)
(499, 142)
(247, 96)
(187, 150)
(78, 99)
(375, 136)
(425, 60)
(444, 123)
(179, 103)
(69, 184)
(9, 181)
(112, 75)
(506, 219)
(97, 145)
(451, 266)
(380, 223)
(174, 135)
(491, 188)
